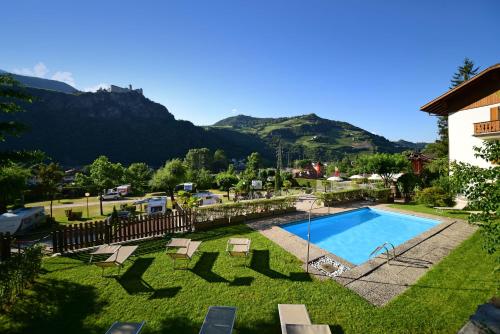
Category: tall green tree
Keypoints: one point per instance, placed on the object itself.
(254, 162)
(13, 180)
(384, 164)
(226, 180)
(50, 177)
(220, 161)
(481, 187)
(105, 175)
(10, 98)
(464, 73)
(168, 176)
(198, 158)
(13, 164)
(138, 175)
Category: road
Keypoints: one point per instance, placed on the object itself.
(84, 204)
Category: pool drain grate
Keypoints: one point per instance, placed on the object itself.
(329, 266)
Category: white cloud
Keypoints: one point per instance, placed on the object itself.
(234, 110)
(39, 70)
(66, 77)
(96, 87)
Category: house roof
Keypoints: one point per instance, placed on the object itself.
(483, 84)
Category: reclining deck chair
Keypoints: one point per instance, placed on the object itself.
(118, 258)
(219, 320)
(185, 253)
(294, 319)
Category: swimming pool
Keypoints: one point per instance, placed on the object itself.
(355, 234)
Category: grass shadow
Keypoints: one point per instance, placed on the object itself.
(165, 293)
(55, 306)
(177, 325)
(132, 280)
(204, 265)
(261, 263)
(242, 281)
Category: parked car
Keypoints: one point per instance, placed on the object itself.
(110, 196)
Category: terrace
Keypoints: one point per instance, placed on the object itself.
(72, 294)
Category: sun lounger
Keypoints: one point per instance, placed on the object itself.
(219, 320)
(126, 328)
(186, 253)
(118, 258)
(294, 319)
(459, 206)
(104, 249)
(238, 247)
(178, 243)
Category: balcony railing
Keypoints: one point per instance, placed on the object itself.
(485, 128)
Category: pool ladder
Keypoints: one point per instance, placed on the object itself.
(384, 246)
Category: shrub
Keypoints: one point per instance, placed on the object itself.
(407, 184)
(128, 207)
(434, 196)
(228, 210)
(18, 272)
(332, 198)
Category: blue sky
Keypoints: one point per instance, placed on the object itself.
(370, 63)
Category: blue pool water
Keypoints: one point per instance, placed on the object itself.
(354, 235)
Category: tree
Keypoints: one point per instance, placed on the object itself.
(13, 178)
(204, 179)
(277, 181)
(50, 177)
(226, 180)
(220, 161)
(254, 162)
(464, 73)
(384, 164)
(481, 187)
(10, 97)
(105, 175)
(304, 163)
(198, 158)
(168, 176)
(138, 175)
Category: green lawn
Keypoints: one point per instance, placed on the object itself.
(425, 209)
(71, 296)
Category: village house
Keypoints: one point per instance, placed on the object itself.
(473, 110)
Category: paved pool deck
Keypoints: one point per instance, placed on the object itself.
(376, 280)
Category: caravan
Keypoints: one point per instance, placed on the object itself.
(22, 220)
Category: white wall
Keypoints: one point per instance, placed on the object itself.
(461, 134)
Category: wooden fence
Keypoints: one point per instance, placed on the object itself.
(83, 235)
(5, 246)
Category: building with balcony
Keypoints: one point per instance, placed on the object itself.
(473, 110)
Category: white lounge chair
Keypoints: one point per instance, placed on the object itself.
(460, 205)
(238, 247)
(185, 253)
(178, 243)
(104, 249)
(118, 258)
(294, 319)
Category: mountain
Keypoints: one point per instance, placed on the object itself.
(74, 129)
(312, 136)
(408, 145)
(42, 83)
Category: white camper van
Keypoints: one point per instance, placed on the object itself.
(22, 220)
(154, 204)
(207, 198)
